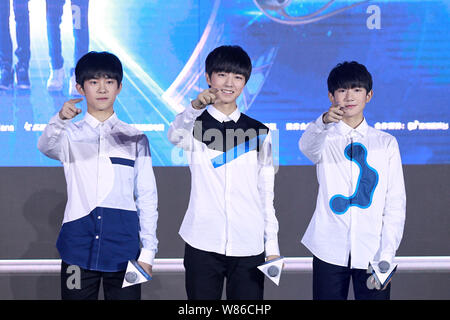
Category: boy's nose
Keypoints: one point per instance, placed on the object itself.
(229, 81)
(348, 95)
(102, 86)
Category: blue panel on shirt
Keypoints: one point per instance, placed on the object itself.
(237, 151)
(122, 161)
(118, 241)
(232, 138)
(367, 182)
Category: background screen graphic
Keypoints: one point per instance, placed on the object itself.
(293, 46)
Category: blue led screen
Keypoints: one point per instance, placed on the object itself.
(293, 45)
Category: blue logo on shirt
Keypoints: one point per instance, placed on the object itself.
(367, 182)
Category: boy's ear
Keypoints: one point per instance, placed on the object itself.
(80, 89)
(208, 79)
(369, 96)
(331, 97)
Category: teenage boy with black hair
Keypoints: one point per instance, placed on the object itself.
(230, 225)
(361, 202)
(112, 198)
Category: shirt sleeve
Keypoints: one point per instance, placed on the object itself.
(146, 196)
(395, 206)
(53, 142)
(180, 130)
(266, 179)
(313, 139)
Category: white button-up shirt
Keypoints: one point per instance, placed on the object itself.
(112, 199)
(231, 208)
(361, 202)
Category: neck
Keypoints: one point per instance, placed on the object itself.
(226, 108)
(353, 122)
(102, 115)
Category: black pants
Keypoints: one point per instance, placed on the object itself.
(331, 282)
(81, 284)
(206, 271)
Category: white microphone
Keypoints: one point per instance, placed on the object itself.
(384, 266)
(134, 274)
(131, 277)
(272, 269)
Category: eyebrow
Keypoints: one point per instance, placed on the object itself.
(99, 77)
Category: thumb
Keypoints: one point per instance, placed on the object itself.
(214, 91)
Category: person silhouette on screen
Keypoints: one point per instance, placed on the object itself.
(54, 11)
(22, 52)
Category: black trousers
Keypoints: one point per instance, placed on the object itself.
(81, 284)
(331, 282)
(206, 272)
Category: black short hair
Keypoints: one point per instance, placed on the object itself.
(94, 65)
(229, 59)
(349, 75)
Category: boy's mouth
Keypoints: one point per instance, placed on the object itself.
(226, 91)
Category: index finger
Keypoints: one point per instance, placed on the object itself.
(335, 104)
(71, 105)
(75, 100)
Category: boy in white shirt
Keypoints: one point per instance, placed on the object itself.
(230, 225)
(361, 202)
(112, 199)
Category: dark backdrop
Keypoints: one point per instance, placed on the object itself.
(32, 202)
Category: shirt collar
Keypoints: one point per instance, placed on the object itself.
(94, 123)
(345, 129)
(221, 117)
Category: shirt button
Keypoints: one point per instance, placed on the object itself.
(96, 237)
(99, 217)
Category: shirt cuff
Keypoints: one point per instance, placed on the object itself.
(197, 112)
(147, 256)
(386, 256)
(56, 119)
(190, 113)
(319, 122)
(272, 248)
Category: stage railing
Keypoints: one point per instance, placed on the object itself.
(168, 265)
